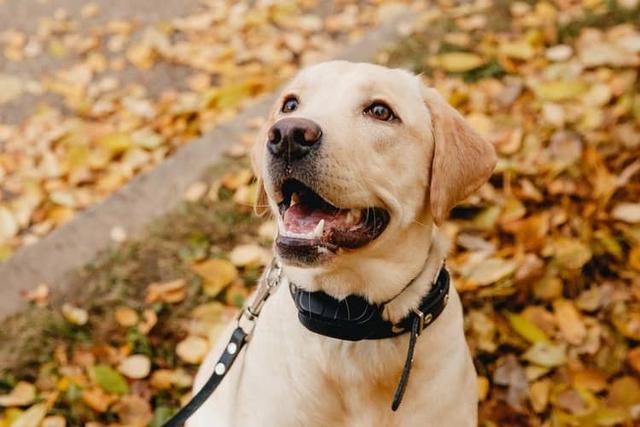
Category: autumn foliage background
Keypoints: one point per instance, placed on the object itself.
(546, 255)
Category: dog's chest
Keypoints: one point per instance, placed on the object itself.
(293, 377)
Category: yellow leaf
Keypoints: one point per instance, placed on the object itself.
(116, 142)
(560, 90)
(75, 315)
(625, 391)
(126, 316)
(32, 416)
(11, 87)
(539, 394)
(8, 224)
(22, 394)
(527, 329)
(168, 292)
(545, 354)
(569, 321)
(97, 399)
(490, 271)
(518, 50)
(483, 387)
(250, 255)
(571, 253)
(217, 274)
(634, 258)
(456, 62)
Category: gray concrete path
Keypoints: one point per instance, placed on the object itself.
(24, 15)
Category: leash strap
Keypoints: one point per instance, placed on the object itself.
(237, 341)
(404, 378)
(240, 337)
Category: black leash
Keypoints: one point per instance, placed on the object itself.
(237, 341)
(240, 337)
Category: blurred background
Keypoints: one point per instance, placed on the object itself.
(98, 95)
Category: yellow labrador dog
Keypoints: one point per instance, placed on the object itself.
(359, 163)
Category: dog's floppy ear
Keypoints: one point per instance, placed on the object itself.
(261, 205)
(462, 159)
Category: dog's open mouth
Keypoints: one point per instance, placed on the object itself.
(310, 225)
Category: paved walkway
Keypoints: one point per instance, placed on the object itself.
(28, 16)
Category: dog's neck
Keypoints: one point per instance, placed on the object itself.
(409, 298)
(400, 283)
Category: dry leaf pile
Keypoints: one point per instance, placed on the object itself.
(63, 159)
(124, 349)
(546, 256)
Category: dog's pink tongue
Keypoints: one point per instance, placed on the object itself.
(301, 218)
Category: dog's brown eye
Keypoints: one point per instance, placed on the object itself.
(290, 104)
(380, 111)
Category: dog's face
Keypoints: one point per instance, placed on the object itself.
(355, 155)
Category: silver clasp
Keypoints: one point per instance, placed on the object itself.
(269, 282)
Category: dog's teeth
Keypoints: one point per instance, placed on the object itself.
(349, 217)
(353, 216)
(317, 232)
(294, 199)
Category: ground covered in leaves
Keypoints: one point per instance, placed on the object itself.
(105, 113)
(546, 256)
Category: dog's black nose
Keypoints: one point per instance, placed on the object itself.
(293, 138)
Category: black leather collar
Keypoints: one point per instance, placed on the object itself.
(355, 319)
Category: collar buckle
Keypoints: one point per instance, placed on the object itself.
(424, 320)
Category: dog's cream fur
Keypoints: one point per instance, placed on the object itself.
(417, 169)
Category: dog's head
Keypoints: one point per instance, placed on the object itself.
(354, 156)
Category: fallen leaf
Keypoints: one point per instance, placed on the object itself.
(97, 399)
(248, 256)
(569, 321)
(22, 394)
(32, 417)
(192, 349)
(165, 379)
(39, 295)
(75, 315)
(571, 253)
(54, 421)
(633, 357)
(539, 394)
(217, 274)
(527, 329)
(108, 379)
(625, 391)
(11, 87)
(126, 316)
(627, 212)
(490, 271)
(560, 90)
(196, 191)
(9, 226)
(483, 387)
(136, 366)
(456, 62)
(510, 373)
(167, 292)
(133, 411)
(546, 354)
